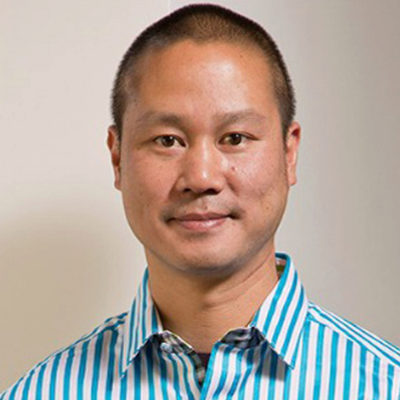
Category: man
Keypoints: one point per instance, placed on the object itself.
(204, 150)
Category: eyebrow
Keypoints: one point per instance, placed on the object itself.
(229, 118)
(223, 119)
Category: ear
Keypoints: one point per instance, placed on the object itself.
(113, 144)
(291, 151)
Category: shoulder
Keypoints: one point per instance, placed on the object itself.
(356, 337)
(68, 361)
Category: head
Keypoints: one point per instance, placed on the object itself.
(204, 23)
(203, 144)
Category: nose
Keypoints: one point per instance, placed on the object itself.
(202, 170)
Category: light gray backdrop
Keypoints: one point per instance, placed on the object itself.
(67, 257)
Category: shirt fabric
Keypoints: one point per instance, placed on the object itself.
(292, 349)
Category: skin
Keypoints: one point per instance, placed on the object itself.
(204, 175)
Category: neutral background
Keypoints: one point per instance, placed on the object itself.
(67, 257)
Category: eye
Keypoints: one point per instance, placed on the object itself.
(233, 139)
(168, 140)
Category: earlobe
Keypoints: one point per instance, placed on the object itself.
(113, 144)
(292, 148)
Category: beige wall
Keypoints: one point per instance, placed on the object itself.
(67, 257)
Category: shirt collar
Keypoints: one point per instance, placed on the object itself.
(142, 322)
(280, 319)
(282, 315)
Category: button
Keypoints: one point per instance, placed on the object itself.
(166, 347)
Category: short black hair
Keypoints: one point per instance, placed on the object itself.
(202, 23)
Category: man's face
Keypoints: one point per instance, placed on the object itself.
(202, 168)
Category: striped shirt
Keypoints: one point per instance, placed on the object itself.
(292, 349)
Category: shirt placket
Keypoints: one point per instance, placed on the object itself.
(173, 346)
(238, 340)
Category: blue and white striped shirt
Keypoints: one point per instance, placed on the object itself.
(292, 349)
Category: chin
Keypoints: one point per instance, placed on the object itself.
(206, 265)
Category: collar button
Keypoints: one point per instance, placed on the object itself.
(166, 347)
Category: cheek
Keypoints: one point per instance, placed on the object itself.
(144, 184)
(258, 175)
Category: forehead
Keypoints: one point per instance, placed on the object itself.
(196, 58)
(200, 77)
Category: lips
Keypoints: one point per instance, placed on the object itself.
(201, 216)
(200, 222)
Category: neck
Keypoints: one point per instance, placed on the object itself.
(202, 311)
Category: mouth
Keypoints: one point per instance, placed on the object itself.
(200, 222)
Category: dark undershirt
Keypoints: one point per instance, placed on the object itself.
(204, 357)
